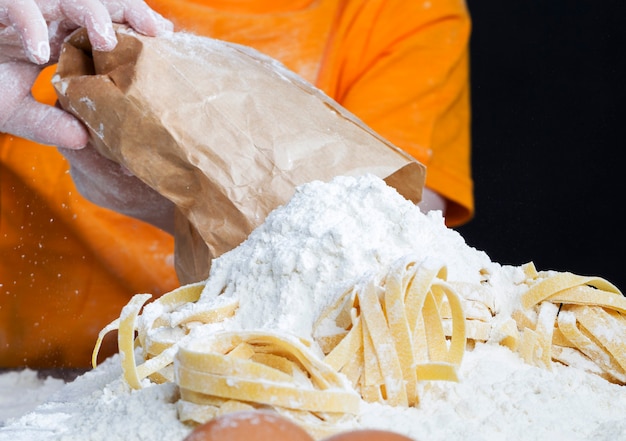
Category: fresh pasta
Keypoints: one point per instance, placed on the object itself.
(250, 369)
(395, 336)
(317, 382)
(567, 318)
(376, 342)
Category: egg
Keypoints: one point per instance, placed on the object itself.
(252, 425)
(368, 435)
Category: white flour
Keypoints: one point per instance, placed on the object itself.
(292, 266)
(328, 236)
(21, 392)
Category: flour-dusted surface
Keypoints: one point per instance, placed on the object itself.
(501, 398)
(288, 270)
(100, 406)
(498, 398)
(21, 391)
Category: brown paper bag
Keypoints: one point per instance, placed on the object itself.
(221, 130)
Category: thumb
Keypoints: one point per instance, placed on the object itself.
(21, 115)
(47, 125)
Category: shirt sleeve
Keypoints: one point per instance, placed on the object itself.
(403, 68)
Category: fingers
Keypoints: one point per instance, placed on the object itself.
(21, 115)
(29, 19)
(139, 16)
(47, 125)
(29, 23)
(98, 17)
(94, 16)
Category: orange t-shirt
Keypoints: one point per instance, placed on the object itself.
(67, 266)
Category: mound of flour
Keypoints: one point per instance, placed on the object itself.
(325, 239)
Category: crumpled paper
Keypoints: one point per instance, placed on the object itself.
(221, 130)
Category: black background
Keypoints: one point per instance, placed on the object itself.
(548, 92)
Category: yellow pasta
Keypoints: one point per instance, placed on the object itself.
(158, 354)
(397, 330)
(387, 335)
(564, 310)
(376, 342)
(204, 366)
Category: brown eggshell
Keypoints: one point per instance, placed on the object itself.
(253, 425)
(368, 435)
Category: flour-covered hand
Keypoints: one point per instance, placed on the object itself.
(31, 34)
(109, 185)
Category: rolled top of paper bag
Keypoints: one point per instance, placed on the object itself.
(221, 130)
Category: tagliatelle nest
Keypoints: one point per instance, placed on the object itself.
(392, 334)
(407, 327)
(376, 342)
(576, 320)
